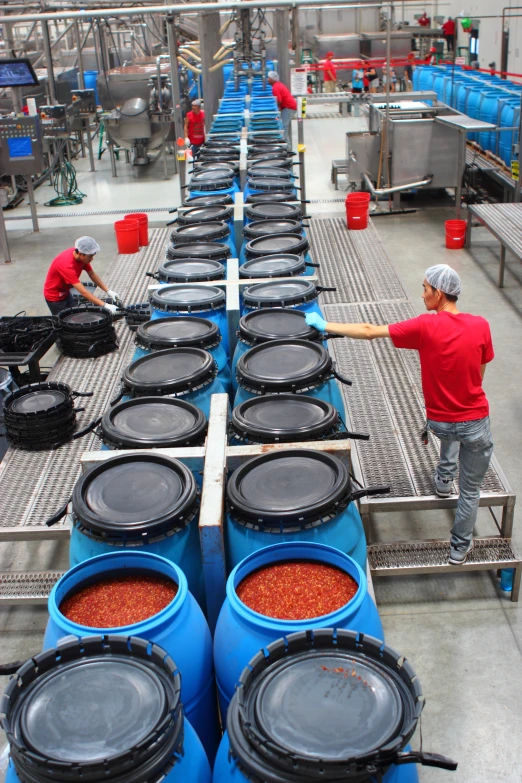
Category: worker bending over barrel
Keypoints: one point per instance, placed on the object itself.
(64, 274)
(286, 102)
(454, 348)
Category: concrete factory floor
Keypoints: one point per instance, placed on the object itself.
(461, 633)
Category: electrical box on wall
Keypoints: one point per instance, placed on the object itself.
(20, 145)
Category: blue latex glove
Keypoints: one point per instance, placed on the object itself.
(315, 320)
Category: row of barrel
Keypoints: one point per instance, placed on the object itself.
(126, 686)
(482, 96)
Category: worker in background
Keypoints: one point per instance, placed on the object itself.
(454, 348)
(286, 102)
(195, 127)
(408, 70)
(357, 80)
(330, 73)
(373, 79)
(64, 274)
(448, 31)
(424, 20)
(388, 72)
(431, 57)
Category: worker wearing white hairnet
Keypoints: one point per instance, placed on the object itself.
(286, 103)
(64, 274)
(454, 348)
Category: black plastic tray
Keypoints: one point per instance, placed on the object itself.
(16, 359)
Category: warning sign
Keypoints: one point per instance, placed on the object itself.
(460, 61)
(298, 81)
(514, 168)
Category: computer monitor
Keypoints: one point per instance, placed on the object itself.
(17, 73)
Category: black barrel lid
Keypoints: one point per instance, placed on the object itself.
(256, 172)
(190, 270)
(199, 232)
(336, 727)
(263, 228)
(262, 198)
(280, 294)
(211, 176)
(147, 422)
(187, 298)
(288, 488)
(210, 185)
(83, 317)
(172, 371)
(258, 137)
(222, 151)
(216, 165)
(205, 214)
(178, 331)
(284, 366)
(57, 729)
(278, 243)
(219, 251)
(29, 401)
(261, 326)
(277, 418)
(135, 495)
(214, 141)
(269, 184)
(272, 160)
(207, 201)
(283, 265)
(273, 211)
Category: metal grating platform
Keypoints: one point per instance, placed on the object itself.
(415, 557)
(353, 261)
(33, 587)
(33, 485)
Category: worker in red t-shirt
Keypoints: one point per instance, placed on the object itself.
(330, 73)
(286, 102)
(448, 31)
(195, 127)
(424, 20)
(454, 348)
(64, 274)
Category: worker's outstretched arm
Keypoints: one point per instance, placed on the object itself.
(96, 279)
(355, 331)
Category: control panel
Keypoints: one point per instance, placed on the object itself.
(83, 103)
(54, 120)
(20, 145)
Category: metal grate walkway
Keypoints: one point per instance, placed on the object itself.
(33, 485)
(386, 401)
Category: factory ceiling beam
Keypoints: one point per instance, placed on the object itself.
(179, 9)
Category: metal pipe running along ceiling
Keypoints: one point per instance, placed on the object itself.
(180, 9)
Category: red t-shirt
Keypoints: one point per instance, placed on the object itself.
(63, 273)
(448, 28)
(196, 127)
(285, 99)
(330, 71)
(451, 347)
(424, 21)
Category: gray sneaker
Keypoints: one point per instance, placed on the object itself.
(443, 486)
(459, 553)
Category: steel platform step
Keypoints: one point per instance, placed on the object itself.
(31, 587)
(423, 557)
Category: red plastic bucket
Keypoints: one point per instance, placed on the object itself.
(358, 195)
(127, 236)
(455, 234)
(357, 211)
(143, 221)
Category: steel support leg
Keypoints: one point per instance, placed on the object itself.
(113, 159)
(89, 144)
(502, 266)
(3, 238)
(32, 203)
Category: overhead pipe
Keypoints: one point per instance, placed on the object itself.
(220, 64)
(192, 68)
(397, 189)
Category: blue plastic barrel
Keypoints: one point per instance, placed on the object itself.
(192, 300)
(189, 270)
(472, 106)
(180, 332)
(180, 629)
(488, 112)
(241, 631)
(206, 214)
(146, 501)
(277, 265)
(289, 367)
(264, 326)
(323, 705)
(270, 185)
(297, 495)
(216, 231)
(115, 710)
(510, 117)
(298, 294)
(212, 251)
(90, 82)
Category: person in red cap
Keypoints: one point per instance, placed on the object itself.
(330, 73)
(431, 58)
(448, 31)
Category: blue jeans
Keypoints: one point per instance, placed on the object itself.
(287, 116)
(465, 445)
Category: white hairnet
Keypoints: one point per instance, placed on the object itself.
(196, 102)
(444, 278)
(273, 75)
(87, 245)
